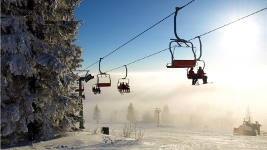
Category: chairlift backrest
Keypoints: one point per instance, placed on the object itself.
(103, 75)
(124, 80)
(103, 84)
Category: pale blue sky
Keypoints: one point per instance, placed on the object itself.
(109, 23)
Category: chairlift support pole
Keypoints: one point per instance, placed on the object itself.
(157, 113)
(86, 78)
(81, 112)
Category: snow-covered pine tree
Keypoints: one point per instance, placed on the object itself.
(166, 115)
(96, 114)
(131, 116)
(37, 60)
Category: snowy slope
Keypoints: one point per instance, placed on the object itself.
(163, 138)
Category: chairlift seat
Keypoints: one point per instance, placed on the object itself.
(103, 84)
(79, 90)
(182, 64)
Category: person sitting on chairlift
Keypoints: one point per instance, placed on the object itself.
(201, 75)
(98, 90)
(127, 87)
(94, 90)
(120, 87)
(192, 75)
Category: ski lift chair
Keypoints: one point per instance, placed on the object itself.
(103, 84)
(123, 84)
(180, 63)
(103, 75)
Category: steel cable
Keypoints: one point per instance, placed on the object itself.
(229, 23)
(188, 40)
(138, 35)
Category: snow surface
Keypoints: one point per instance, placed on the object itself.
(162, 138)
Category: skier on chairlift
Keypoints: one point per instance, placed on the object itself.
(98, 90)
(123, 87)
(94, 90)
(127, 88)
(192, 75)
(201, 75)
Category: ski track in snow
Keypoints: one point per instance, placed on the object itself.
(166, 138)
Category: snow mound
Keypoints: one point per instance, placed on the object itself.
(110, 141)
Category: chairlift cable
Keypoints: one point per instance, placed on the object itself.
(92, 65)
(137, 60)
(138, 35)
(188, 40)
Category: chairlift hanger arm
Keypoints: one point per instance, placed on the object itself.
(126, 72)
(99, 66)
(175, 16)
(192, 47)
(204, 64)
(200, 47)
(172, 51)
(175, 28)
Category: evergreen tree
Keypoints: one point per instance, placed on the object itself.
(96, 114)
(166, 114)
(37, 60)
(157, 116)
(131, 116)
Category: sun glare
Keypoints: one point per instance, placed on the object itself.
(239, 49)
(241, 39)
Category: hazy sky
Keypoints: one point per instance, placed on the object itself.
(235, 56)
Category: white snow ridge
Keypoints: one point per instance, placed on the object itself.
(167, 138)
